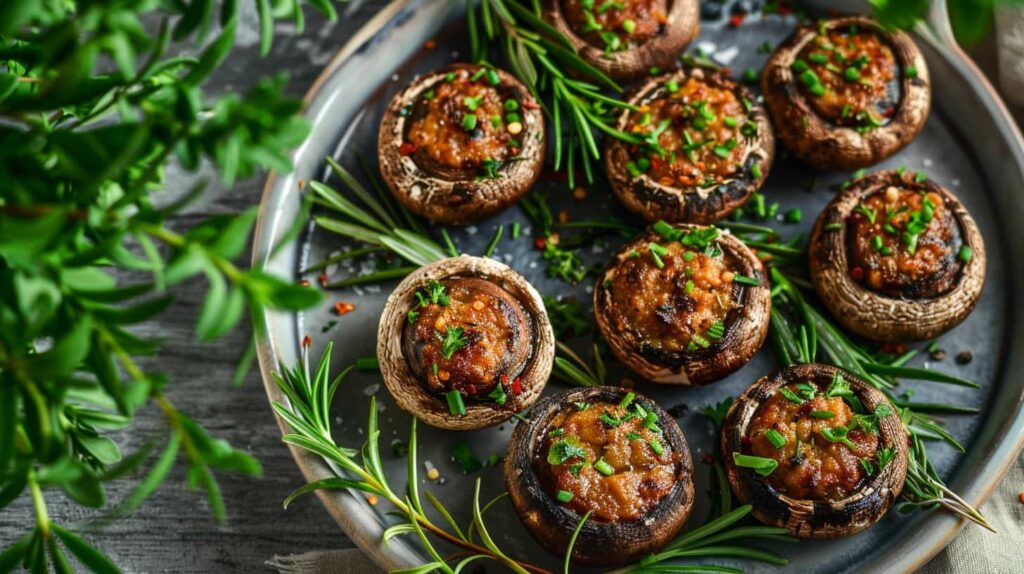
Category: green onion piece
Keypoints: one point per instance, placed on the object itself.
(794, 215)
(412, 316)
(759, 464)
(511, 105)
(469, 122)
(367, 364)
(656, 446)
(628, 26)
(627, 400)
(492, 78)
(775, 437)
(833, 227)
(498, 394)
(823, 414)
(965, 254)
(603, 467)
(910, 72)
(852, 74)
(793, 397)
(455, 404)
(449, 77)
(744, 280)
(564, 496)
(672, 86)
(755, 170)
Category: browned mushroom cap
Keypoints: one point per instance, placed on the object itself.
(715, 148)
(503, 347)
(896, 295)
(461, 143)
(599, 542)
(683, 304)
(819, 518)
(828, 131)
(659, 32)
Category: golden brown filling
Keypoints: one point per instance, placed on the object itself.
(464, 122)
(693, 135)
(903, 243)
(846, 75)
(616, 25)
(608, 458)
(468, 335)
(824, 449)
(671, 297)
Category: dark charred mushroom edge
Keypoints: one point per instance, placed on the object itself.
(878, 316)
(745, 324)
(705, 204)
(822, 519)
(460, 195)
(409, 390)
(552, 524)
(661, 51)
(820, 142)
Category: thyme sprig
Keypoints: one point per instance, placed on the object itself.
(540, 56)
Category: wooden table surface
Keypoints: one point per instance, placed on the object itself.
(174, 531)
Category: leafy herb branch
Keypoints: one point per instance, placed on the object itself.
(92, 109)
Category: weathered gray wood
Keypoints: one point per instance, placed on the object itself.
(174, 531)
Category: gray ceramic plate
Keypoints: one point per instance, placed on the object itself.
(969, 144)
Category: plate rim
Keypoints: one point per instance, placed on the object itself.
(941, 530)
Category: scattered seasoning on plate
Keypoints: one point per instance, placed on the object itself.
(964, 357)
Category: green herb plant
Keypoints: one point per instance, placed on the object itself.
(93, 108)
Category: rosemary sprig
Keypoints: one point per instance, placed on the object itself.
(540, 56)
(310, 394)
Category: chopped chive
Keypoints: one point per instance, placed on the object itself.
(498, 394)
(492, 78)
(478, 74)
(603, 467)
(412, 316)
(634, 436)
(656, 446)
(852, 74)
(965, 254)
(794, 215)
(833, 227)
(823, 414)
(910, 72)
(564, 496)
(628, 26)
(455, 404)
(627, 400)
(759, 464)
(876, 243)
(511, 105)
(793, 397)
(775, 437)
(367, 364)
(515, 230)
(449, 77)
(744, 280)
(755, 170)
(469, 122)
(672, 86)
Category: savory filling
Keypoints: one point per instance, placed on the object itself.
(611, 459)
(693, 134)
(815, 443)
(468, 338)
(465, 122)
(616, 25)
(905, 243)
(847, 75)
(673, 295)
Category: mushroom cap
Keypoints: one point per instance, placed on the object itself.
(823, 144)
(599, 543)
(654, 201)
(746, 324)
(820, 519)
(410, 393)
(452, 196)
(875, 315)
(660, 51)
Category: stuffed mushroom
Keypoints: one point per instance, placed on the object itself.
(604, 451)
(846, 94)
(461, 143)
(815, 450)
(700, 148)
(465, 343)
(895, 257)
(626, 38)
(683, 304)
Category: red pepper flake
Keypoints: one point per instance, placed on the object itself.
(529, 104)
(517, 386)
(430, 44)
(857, 273)
(343, 308)
(540, 243)
(322, 278)
(889, 112)
(307, 342)
(736, 20)
(514, 150)
(407, 148)
(304, 282)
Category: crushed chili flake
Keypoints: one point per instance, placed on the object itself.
(430, 44)
(857, 273)
(343, 308)
(407, 148)
(563, 216)
(307, 342)
(529, 104)
(517, 386)
(540, 243)
(322, 278)
(736, 20)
